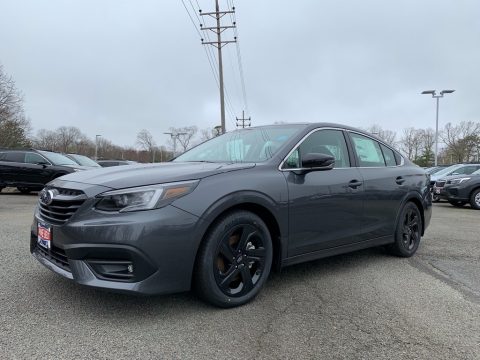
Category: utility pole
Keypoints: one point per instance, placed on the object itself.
(219, 44)
(244, 120)
(175, 136)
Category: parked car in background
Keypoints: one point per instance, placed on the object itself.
(108, 163)
(438, 179)
(463, 189)
(29, 170)
(435, 169)
(83, 160)
(221, 215)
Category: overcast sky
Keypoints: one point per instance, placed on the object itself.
(114, 67)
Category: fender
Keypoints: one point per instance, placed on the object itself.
(279, 211)
(408, 197)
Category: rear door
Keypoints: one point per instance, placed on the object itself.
(37, 169)
(386, 184)
(12, 167)
(325, 207)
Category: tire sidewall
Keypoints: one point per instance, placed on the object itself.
(473, 204)
(399, 244)
(205, 267)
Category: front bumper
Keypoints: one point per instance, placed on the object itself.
(455, 192)
(146, 252)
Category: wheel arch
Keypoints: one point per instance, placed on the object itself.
(256, 203)
(417, 200)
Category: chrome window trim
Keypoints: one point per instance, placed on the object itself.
(301, 141)
(402, 159)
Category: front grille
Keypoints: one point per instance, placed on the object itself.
(56, 256)
(65, 203)
(440, 183)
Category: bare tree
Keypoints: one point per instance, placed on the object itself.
(207, 134)
(67, 136)
(462, 140)
(386, 135)
(14, 126)
(185, 135)
(145, 141)
(411, 143)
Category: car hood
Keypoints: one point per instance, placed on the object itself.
(118, 177)
(451, 177)
(80, 167)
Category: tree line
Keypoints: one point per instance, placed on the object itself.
(458, 143)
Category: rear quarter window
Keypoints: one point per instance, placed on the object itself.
(15, 156)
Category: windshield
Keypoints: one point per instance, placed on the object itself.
(246, 145)
(58, 159)
(476, 172)
(83, 160)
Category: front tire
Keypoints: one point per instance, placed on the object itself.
(234, 260)
(407, 232)
(475, 199)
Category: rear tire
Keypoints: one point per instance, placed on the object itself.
(457, 203)
(475, 199)
(234, 260)
(407, 232)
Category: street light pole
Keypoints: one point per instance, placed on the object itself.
(96, 146)
(437, 97)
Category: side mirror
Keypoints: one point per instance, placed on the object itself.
(455, 173)
(43, 163)
(316, 162)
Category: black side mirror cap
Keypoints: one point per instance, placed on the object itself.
(316, 162)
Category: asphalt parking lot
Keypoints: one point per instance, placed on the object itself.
(365, 305)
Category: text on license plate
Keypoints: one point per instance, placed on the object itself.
(44, 233)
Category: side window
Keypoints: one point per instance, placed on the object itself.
(388, 155)
(32, 158)
(368, 151)
(15, 156)
(293, 161)
(328, 142)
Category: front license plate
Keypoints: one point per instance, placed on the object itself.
(44, 232)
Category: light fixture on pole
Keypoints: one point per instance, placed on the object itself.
(96, 146)
(435, 96)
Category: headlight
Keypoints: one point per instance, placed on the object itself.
(459, 181)
(144, 197)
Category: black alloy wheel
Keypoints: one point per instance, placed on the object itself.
(408, 231)
(234, 261)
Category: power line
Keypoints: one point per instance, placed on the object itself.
(217, 74)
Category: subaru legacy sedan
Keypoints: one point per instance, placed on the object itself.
(220, 217)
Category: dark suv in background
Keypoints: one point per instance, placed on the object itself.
(464, 189)
(29, 170)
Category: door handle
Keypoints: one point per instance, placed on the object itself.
(399, 180)
(354, 184)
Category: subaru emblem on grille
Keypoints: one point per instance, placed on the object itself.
(46, 196)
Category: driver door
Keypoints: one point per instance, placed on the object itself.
(326, 206)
